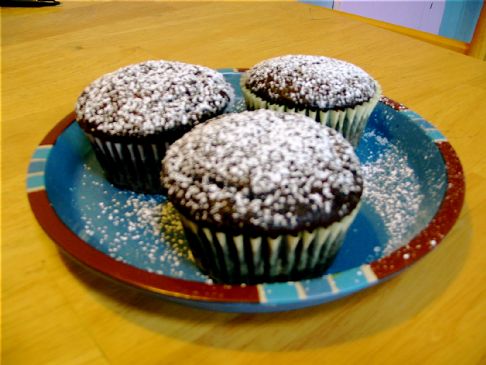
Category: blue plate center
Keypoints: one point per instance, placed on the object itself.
(404, 185)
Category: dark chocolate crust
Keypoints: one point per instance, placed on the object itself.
(263, 172)
(151, 98)
(310, 82)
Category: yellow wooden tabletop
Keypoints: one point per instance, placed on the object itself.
(56, 312)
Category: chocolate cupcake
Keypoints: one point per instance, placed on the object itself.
(132, 115)
(263, 196)
(333, 92)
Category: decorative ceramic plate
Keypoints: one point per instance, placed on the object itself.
(414, 191)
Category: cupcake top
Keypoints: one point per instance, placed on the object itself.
(310, 82)
(152, 97)
(263, 170)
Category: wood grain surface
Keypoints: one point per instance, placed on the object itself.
(56, 312)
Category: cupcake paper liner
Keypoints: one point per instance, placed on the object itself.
(134, 166)
(250, 259)
(350, 122)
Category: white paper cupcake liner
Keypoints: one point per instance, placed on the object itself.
(134, 166)
(350, 122)
(248, 259)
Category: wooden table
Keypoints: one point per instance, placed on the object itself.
(59, 313)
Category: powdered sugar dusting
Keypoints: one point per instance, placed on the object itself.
(310, 81)
(393, 189)
(151, 97)
(145, 231)
(137, 229)
(263, 169)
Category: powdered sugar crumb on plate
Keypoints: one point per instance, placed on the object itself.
(392, 187)
(140, 229)
(145, 231)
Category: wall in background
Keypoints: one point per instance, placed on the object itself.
(454, 19)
